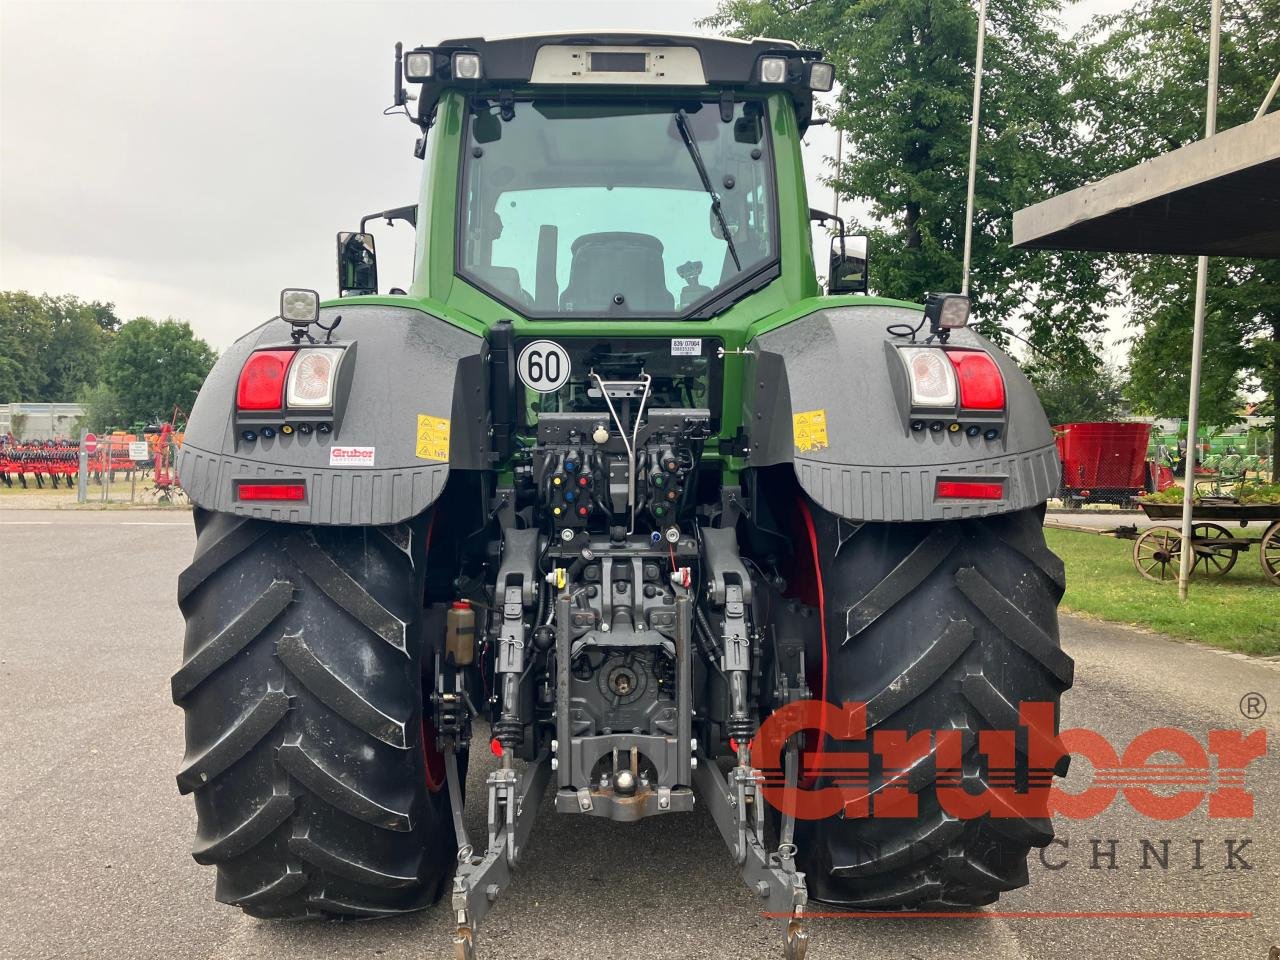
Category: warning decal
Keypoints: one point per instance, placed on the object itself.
(433, 438)
(810, 430)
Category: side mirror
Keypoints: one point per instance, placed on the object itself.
(357, 264)
(848, 273)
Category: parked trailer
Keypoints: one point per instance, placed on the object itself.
(1104, 462)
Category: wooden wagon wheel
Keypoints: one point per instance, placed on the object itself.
(1157, 553)
(1269, 552)
(1214, 562)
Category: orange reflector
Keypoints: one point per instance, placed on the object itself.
(271, 491)
(969, 490)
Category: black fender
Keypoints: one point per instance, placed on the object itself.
(839, 363)
(407, 363)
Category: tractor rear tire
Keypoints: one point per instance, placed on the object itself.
(302, 684)
(934, 626)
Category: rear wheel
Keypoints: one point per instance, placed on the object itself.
(303, 690)
(934, 626)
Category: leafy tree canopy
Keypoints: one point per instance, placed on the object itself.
(906, 74)
(1072, 398)
(50, 347)
(151, 366)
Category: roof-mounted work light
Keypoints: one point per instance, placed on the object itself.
(466, 66)
(419, 65)
(822, 76)
(773, 69)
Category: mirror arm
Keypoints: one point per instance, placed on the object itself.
(408, 214)
(821, 217)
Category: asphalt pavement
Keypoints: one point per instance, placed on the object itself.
(94, 838)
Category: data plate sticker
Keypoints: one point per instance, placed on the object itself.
(686, 346)
(543, 366)
(433, 438)
(351, 456)
(810, 430)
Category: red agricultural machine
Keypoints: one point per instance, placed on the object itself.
(164, 438)
(41, 460)
(1107, 463)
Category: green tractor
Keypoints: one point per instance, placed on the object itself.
(617, 488)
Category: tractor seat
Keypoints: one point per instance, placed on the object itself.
(608, 264)
(505, 280)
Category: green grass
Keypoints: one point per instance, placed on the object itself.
(1240, 611)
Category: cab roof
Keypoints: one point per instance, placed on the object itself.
(623, 61)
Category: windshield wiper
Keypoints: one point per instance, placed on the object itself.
(682, 123)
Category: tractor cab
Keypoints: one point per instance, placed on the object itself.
(622, 176)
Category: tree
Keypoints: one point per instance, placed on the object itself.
(103, 410)
(1069, 397)
(152, 366)
(50, 347)
(25, 332)
(81, 332)
(1145, 77)
(906, 74)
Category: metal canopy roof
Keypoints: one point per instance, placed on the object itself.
(1215, 197)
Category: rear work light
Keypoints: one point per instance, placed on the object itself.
(970, 490)
(312, 377)
(261, 384)
(932, 380)
(419, 65)
(981, 384)
(272, 491)
(773, 69)
(466, 66)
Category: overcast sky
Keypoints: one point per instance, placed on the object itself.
(189, 159)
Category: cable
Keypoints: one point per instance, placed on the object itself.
(629, 444)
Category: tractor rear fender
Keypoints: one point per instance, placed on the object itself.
(828, 394)
(414, 386)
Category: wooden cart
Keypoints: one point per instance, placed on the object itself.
(1157, 552)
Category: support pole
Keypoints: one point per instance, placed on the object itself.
(973, 144)
(82, 475)
(1197, 336)
(835, 190)
(1271, 95)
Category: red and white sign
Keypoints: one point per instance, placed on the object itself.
(90, 443)
(351, 456)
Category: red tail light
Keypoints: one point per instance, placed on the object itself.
(271, 491)
(981, 385)
(261, 385)
(969, 490)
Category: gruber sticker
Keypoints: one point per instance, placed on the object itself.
(810, 430)
(686, 347)
(351, 456)
(433, 438)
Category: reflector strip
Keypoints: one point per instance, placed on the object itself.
(271, 491)
(970, 490)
